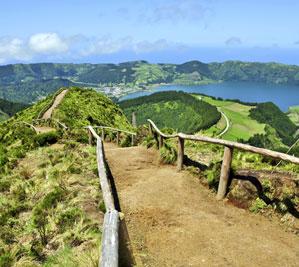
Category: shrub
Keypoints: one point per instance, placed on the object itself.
(6, 260)
(213, 175)
(40, 221)
(168, 154)
(126, 141)
(68, 218)
(257, 205)
(48, 138)
(74, 169)
(51, 199)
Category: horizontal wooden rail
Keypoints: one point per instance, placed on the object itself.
(110, 242)
(227, 157)
(244, 147)
(118, 131)
(153, 125)
(27, 124)
(60, 124)
(114, 129)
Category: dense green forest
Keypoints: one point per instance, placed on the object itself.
(171, 109)
(270, 114)
(11, 108)
(29, 82)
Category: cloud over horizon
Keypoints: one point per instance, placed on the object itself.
(52, 46)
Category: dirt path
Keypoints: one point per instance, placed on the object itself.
(227, 123)
(174, 221)
(58, 99)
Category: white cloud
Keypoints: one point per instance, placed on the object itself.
(52, 47)
(46, 43)
(233, 41)
(176, 11)
(13, 49)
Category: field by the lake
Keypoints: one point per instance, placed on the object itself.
(241, 126)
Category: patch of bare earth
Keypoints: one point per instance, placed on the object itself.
(173, 220)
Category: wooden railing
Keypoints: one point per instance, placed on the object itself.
(227, 157)
(50, 122)
(110, 237)
(118, 131)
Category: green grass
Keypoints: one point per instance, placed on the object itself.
(242, 126)
(293, 114)
(50, 215)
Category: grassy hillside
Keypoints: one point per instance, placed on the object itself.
(176, 110)
(241, 125)
(86, 107)
(49, 215)
(79, 108)
(31, 82)
(273, 116)
(51, 208)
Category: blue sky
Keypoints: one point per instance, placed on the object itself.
(158, 31)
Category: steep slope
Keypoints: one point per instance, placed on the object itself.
(51, 208)
(177, 110)
(79, 108)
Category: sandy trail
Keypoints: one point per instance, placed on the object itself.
(58, 99)
(48, 113)
(174, 221)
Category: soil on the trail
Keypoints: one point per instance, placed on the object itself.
(48, 114)
(175, 221)
(58, 99)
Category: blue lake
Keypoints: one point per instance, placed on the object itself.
(283, 96)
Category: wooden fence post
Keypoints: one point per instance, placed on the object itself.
(132, 140)
(89, 137)
(180, 160)
(117, 137)
(103, 134)
(225, 172)
(150, 129)
(161, 141)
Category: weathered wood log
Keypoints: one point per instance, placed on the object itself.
(161, 141)
(225, 172)
(103, 134)
(150, 127)
(244, 147)
(89, 137)
(159, 132)
(180, 160)
(134, 123)
(113, 129)
(110, 242)
(105, 186)
(117, 137)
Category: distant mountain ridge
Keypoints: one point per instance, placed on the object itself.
(30, 82)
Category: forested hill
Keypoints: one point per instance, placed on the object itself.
(177, 110)
(8, 108)
(29, 82)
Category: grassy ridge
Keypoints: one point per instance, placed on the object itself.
(176, 110)
(82, 107)
(242, 126)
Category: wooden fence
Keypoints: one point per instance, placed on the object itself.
(110, 241)
(227, 156)
(50, 122)
(118, 131)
